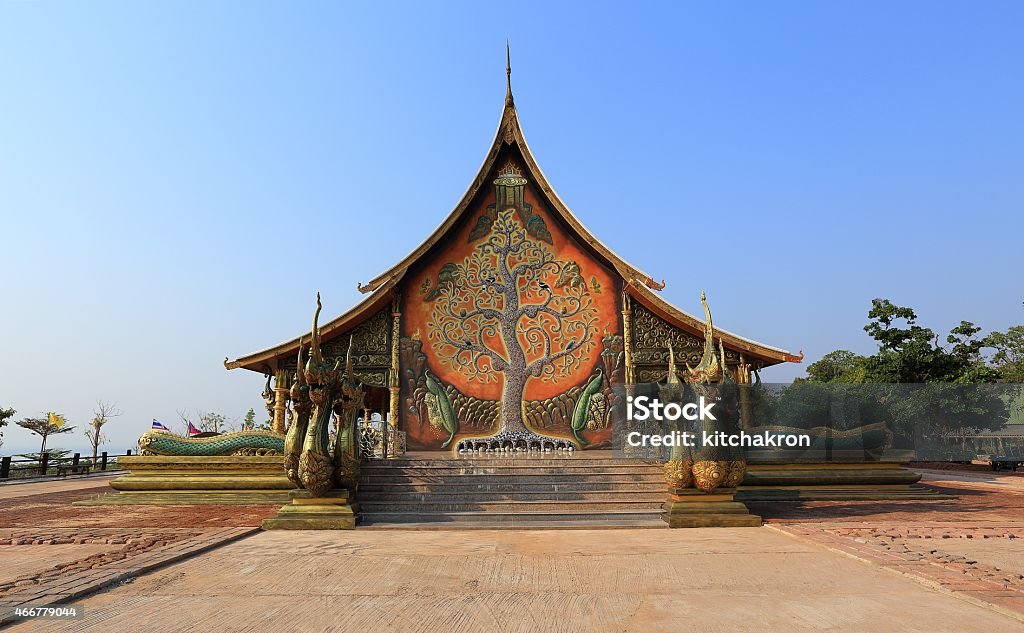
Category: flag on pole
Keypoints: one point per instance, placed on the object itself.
(157, 426)
(192, 430)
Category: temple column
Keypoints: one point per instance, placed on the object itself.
(627, 337)
(743, 379)
(394, 388)
(280, 399)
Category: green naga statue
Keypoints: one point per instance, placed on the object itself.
(331, 391)
(248, 443)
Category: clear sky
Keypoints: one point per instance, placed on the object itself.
(177, 179)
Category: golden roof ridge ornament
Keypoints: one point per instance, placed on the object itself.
(508, 76)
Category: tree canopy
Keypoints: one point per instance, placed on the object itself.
(911, 353)
(52, 424)
(951, 381)
(1008, 358)
(5, 416)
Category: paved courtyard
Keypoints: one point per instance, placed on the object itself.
(527, 581)
(945, 565)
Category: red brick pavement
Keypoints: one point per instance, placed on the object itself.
(906, 537)
(149, 537)
(55, 510)
(971, 504)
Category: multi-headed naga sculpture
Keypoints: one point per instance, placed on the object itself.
(320, 392)
(706, 468)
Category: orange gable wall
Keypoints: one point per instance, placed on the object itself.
(416, 310)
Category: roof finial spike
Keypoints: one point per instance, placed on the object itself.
(508, 75)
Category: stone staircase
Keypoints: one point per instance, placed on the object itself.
(504, 492)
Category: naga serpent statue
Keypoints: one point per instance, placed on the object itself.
(331, 392)
(704, 468)
(296, 434)
(240, 443)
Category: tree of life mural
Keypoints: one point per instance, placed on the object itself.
(512, 312)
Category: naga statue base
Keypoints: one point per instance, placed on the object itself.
(690, 507)
(514, 441)
(330, 511)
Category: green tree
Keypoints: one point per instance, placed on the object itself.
(946, 391)
(907, 352)
(910, 353)
(208, 421)
(52, 424)
(5, 416)
(838, 366)
(249, 422)
(54, 455)
(1008, 358)
(214, 422)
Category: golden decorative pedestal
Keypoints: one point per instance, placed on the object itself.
(835, 481)
(165, 480)
(689, 507)
(306, 512)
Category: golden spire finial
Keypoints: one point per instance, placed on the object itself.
(508, 75)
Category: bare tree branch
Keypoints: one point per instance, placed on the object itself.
(94, 432)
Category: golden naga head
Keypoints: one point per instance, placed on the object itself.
(318, 372)
(351, 390)
(299, 390)
(711, 366)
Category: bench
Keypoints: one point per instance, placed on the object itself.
(72, 469)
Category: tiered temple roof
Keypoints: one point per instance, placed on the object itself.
(510, 140)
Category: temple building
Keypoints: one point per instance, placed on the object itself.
(499, 357)
(494, 327)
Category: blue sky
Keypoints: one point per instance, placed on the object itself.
(177, 179)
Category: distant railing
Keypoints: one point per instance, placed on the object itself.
(46, 466)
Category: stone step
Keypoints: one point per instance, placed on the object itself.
(568, 507)
(373, 487)
(507, 477)
(508, 461)
(494, 479)
(579, 523)
(607, 469)
(512, 491)
(476, 496)
(840, 493)
(610, 518)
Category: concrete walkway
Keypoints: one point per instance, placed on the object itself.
(753, 579)
(1005, 482)
(14, 489)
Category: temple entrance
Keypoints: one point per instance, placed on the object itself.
(378, 436)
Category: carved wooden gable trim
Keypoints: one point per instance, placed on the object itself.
(371, 349)
(652, 334)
